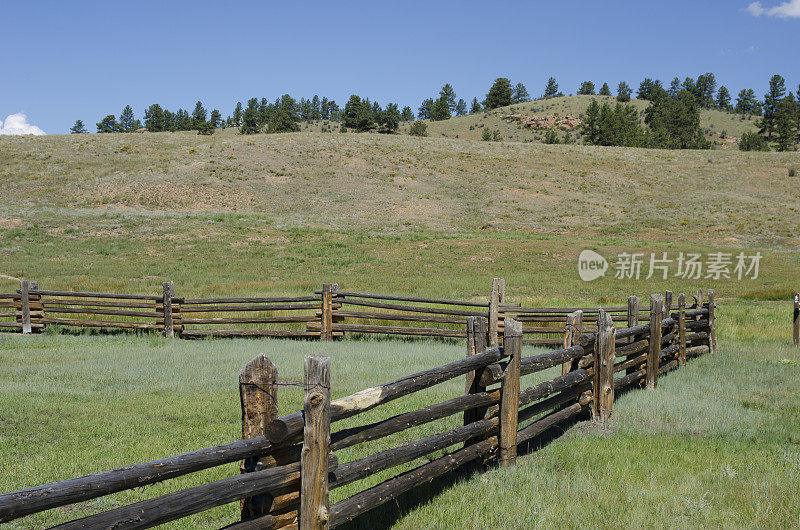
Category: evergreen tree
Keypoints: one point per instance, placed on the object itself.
(623, 92)
(705, 87)
(650, 90)
(418, 128)
(724, 98)
(237, 115)
(752, 141)
(690, 86)
(216, 118)
(127, 121)
(586, 89)
(170, 123)
(551, 89)
(284, 115)
(335, 112)
(250, 118)
(440, 110)
(499, 94)
(461, 107)
(785, 123)
(746, 102)
(205, 128)
(424, 112)
(198, 115)
(390, 119)
(674, 87)
(591, 125)
(108, 125)
(358, 114)
(620, 126)
(520, 94)
(675, 122)
(449, 95)
(604, 90)
(377, 113)
(777, 90)
(475, 107)
(184, 122)
(316, 111)
(324, 109)
(154, 118)
(406, 114)
(78, 128)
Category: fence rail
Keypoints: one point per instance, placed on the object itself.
(290, 463)
(325, 314)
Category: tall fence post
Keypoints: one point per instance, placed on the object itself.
(633, 320)
(326, 325)
(497, 297)
(476, 343)
(25, 306)
(604, 353)
(699, 299)
(572, 335)
(712, 328)
(654, 351)
(258, 394)
(682, 329)
(314, 502)
(509, 392)
(169, 292)
(667, 303)
(796, 320)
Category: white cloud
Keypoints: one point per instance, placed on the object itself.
(18, 124)
(790, 9)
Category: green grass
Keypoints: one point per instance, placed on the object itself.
(717, 444)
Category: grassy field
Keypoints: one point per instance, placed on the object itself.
(717, 444)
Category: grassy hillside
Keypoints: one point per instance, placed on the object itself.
(716, 124)
(279, 213)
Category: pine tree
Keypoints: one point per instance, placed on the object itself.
(674, 87)
(154, 119)
(250, 118)
(390, 119)
(746, 102)
(184, 122)
(216, 118)
(499, 94)
(785, 123)
(407, 114)
(604, 90)
(284, 115)
(706, 86)
(461, 107)
(777, 90)
(551, 89)
(591, 125)
(623, 92)
(440, 110)
(724, 98)
(675, 122)
(324, 109)
(198, 115)
(449, 95)
(127, 121)
(424, 112)
(316, 111)
(108, 125)
(650, 90)
(358, 114)
(237, 115)
(520, 94)
(475, 107)
(586, 89)
(78, 128)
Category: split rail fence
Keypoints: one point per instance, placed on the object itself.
(325, 314)
(291, 463)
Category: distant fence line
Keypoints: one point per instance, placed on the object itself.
(325, 314)
(290, 463)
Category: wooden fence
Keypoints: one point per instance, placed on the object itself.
(796, 320)
(325, 314)
(290, 463)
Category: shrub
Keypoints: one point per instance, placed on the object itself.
(418, 128)
(752, 141)
(486, 135)
(206, 128)
(792, 172)
(551, 137)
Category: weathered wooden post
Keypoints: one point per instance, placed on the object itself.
(712, 328)
(25, 306)
(654, 353)
(509, 392)
(632, 320)
(497, 298)
(169, 292)
(327, 312)
(314, 502)
(698, 299)
(667, 303)
(604, 354)
(796, 320)
(258, 394)
(682, 329)
(476, 343)
(572, 335)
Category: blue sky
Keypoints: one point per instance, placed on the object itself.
(60, 61)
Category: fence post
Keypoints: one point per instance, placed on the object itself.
(497, 297)
(169, 292)
(326, 325)
(603, 402)
(572, 335)
(667, 303)
(25, 306)
(796, 319)
(682, 329)
(699, 299)
(314, 503)
(509, 392)
(258, 395)
(712, 329)
(654, 353)
(476, 343)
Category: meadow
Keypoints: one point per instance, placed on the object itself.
(717, 444)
